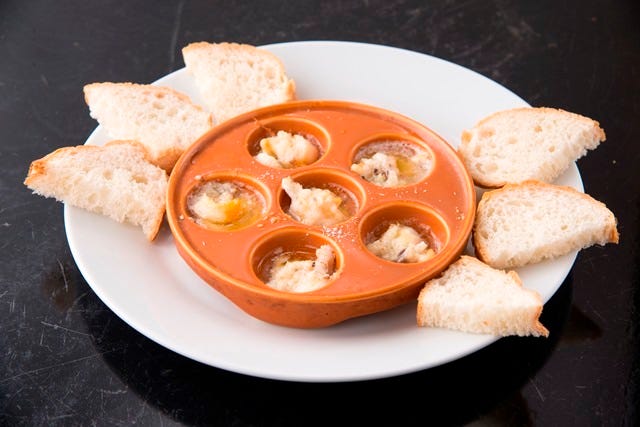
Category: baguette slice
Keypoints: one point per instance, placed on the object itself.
(520, 144)
(234, 78)
(526, 223)
(472, 297)
(164, 120)
(114, 180)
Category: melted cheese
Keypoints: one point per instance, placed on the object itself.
(222, 203)
(391, 170)
(303, 275)
(313, 206)
(286, 150)
(401, 243)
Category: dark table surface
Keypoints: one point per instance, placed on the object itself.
(66, 359)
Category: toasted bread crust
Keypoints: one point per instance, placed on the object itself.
(38, 168)
(549, 110)
(89, 90)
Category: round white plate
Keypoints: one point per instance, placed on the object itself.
(152, 289)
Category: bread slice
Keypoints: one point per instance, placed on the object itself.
(472, 297)
(164, 120)
(520, 144)
(115, 180)
(234, 78)
(526, 223)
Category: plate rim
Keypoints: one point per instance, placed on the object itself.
(87, 273)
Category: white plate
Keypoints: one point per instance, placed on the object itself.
(152, 289)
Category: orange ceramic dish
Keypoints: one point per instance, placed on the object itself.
(234, 259)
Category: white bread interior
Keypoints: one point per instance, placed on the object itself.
(522, 144)
(234, 78)
(115, 180)
(472, 297)
(526, 223)
(162, 119)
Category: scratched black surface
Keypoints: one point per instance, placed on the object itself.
(66, 359)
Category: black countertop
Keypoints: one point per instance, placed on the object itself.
(66, 359)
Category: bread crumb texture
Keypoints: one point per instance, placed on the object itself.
(470, 296)
(522, 144)
(235, 78)
(162, 119)
(115, 180)
(532, 221)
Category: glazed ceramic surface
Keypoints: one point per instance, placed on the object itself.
(442, 204)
